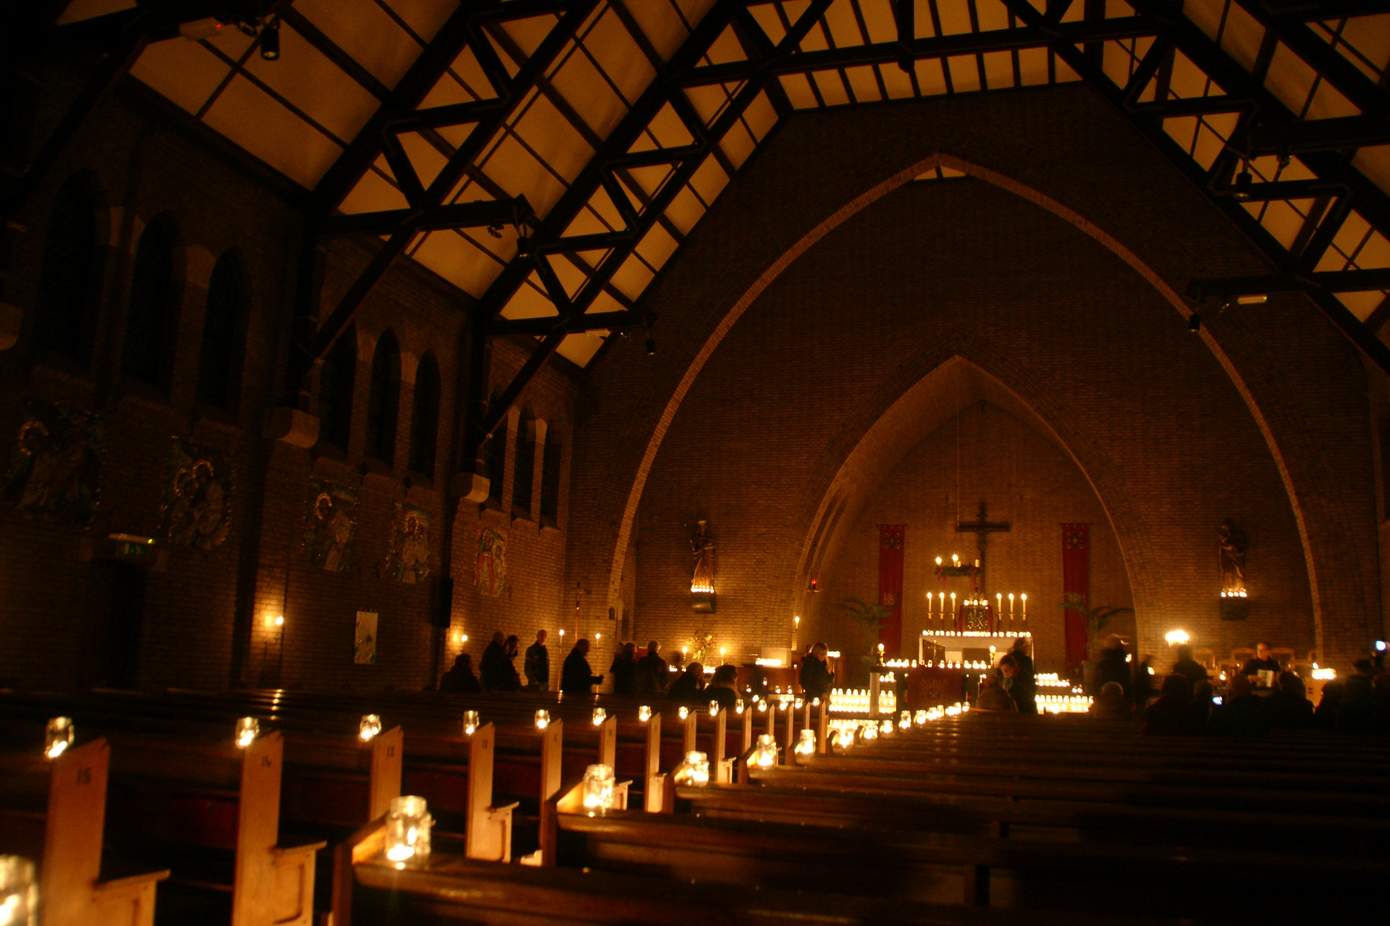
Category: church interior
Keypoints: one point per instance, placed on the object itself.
(737, 461)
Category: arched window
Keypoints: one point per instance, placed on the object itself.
(550, 476)
(74, 259)
(525, 466)
(224, 334)
(336, 381)
(424, 417)
(152, 319)
(384, 399)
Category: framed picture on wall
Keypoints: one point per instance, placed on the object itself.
(364, 639)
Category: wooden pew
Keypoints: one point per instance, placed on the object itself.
(64, 832)
(180, 800)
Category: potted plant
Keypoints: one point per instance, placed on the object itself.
(872, 617)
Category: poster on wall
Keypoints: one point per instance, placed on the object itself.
(197, 507)
(55, 468)
(490, 565)
(364, 639)
(408, 546)
(330, 535)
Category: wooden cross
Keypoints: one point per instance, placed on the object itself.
(982, 527)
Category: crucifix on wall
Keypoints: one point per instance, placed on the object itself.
(982, 527)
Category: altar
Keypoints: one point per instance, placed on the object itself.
(965, 646)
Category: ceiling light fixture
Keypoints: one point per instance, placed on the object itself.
(270, 40)
(1194, 322)
(1244, 183)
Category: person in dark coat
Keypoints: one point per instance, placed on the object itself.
(1171, 714)
(1289, 706)
(498, 672)
(461, 677)
(1024, 689)
(687, 689)
(1144, 683)
(575, 676)
(815, 677)
(624, 671)
(1112, 667)
(651, 671)
(723, 687)
(537, 664)
(1188, 667)
(1262, 661)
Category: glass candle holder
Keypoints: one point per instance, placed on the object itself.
(800, 704)
(905, 720)
(683, 713)
(598, 789)
(57, 736)
(694, 770)
(887, 728)
(644, 713)
(368, 727)
(806, 743)
(738, 706)
(714, 708)
(408, 825)
(765, 754)
(600, 715)
(783, 704)
(470, 723)
(762, 706)
(542, 719)
(869, 732)
(19, 891)
(247, 729)
(920, 718)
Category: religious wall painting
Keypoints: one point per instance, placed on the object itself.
(408, 545)
(364, 639)
(490, 563)
(198, 490)
(330, 535)
(55, 465)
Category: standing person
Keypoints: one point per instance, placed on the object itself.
(575, 676)
(816, 680)
(723, 687)
(537, 664)
(624, 670)
(498, 672)
(1263, 661)
(687, 689)
(651, 671)
(1024, 689)
(1112, 667)
(1189, 667)
(461, 677)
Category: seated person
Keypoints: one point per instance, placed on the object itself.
(1290, 707)
(993, 697)
(461, 677)
(1244, 713)
(1189, 667)
(1110, 703)
(723, 687)
(687, 688)
(1171, 714)
(1262, 662)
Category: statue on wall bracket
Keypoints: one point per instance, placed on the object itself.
(198, 490)
(1232, 546)
(330, 535)
(55, 468)
(702, 596)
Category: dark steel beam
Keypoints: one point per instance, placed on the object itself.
(935, 47)
(590, 321)
(1282, 189)
(1191, 106)
(453, 215)
(1335, 134)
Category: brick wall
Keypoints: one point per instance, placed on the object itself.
(772, 368)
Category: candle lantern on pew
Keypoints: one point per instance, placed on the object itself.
(683, 713)
(905, 720)
(470, 723)
(598, 789)
(920, 718)
(644, 713)
(600, 715)
(694, 771)
(57, 736)
(368, 727)
(714, 708)
(840, 741)
(765, 753)
(19, 891)
(886, 728)
(408, 825)
(247, 729)
(868, 732)
(806, 743)
(542, 719)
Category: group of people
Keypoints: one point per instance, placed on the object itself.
(497, 671)
(1012, 686)
(1262, 696)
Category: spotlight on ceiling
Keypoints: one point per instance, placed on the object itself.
(1244, 182)
(1194, 322)
(270, 40)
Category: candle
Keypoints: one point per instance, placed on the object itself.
(806, 743)
(247, 729)
(694, 771)
(598, 789)
(408, 830)
(19, 891)
(999, 603)
(368, 727)
(684, 712)
(765, 754)
(953, 603)
(1023, 597)
(644, 713)
(57, 737)
(599, 716)
(543, 720)
(470, 722)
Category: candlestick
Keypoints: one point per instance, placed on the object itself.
(1024, 598)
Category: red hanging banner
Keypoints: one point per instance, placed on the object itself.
(1076, 586)
(890, 586)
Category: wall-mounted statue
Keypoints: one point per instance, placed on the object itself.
(702, 575)
(408, 546)
(55, 468)
(1233, 544)
(197, 508)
